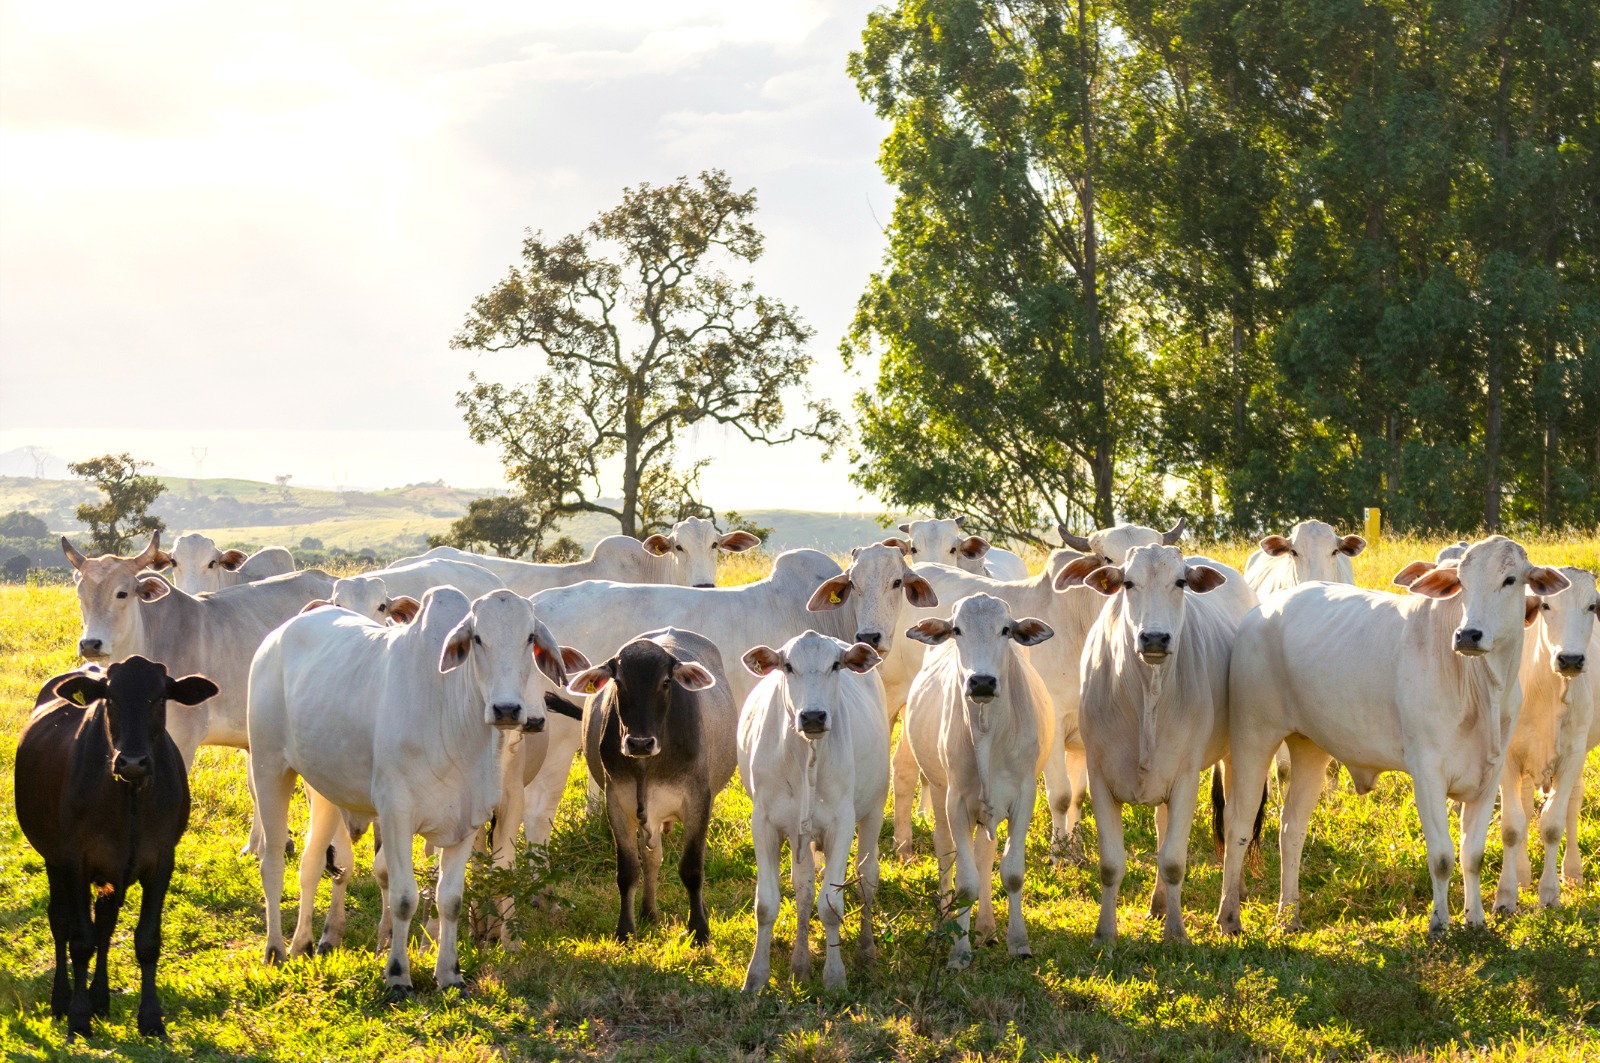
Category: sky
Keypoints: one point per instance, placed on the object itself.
(244, 234)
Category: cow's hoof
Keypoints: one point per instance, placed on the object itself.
(275, 955)
(397, 994)
(959, 963)
(1022, 952)
(152, 1026)
(324, 947)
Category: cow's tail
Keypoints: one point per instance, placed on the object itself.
(1219, 809)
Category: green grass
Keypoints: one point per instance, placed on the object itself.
(1363, 981)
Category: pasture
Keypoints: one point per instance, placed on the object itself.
(1363, 980)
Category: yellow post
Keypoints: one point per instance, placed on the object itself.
(1374, 525)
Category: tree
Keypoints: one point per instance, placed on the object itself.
(122, 517)
(508, 525)
(19, 524)
(636, 333)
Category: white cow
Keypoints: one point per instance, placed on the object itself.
(1154, 710)
(1572, 860)
(814, 757)
(941, 542)
(1311, 551)
(1112, 546)
(198, 565)
(686, 557)
(1425, 684)
(979, 721)
(1551, 740)
(372, 593)
(418, 748)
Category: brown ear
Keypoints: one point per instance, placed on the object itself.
(591, 680)
(973, 546)
(1203, 578)
(1107, 580)
(1075, 571)
(762, 660)
(658, 544)
(191, 689)
(919, 592)
(737, 541)
(1276, 546)
(1530, 609)
(1030, 632)
(931, 631)
(81, 689)
(232, 559)
(692, 676)
(74, 558)
(1351, 545)
(457, 645)
(404, 609)
(1171, 536)
(162, 560)
(831, 595)
(1545, 580)
(860, 658)
(1439, 583)
(1076, 542)
(152, 589)
(573, 660)
(318, 604)
(902, 545)
(1413, 572)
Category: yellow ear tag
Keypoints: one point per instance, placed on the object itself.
(833, 596)
(589, 687)
(78, 698)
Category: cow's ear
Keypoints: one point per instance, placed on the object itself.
(762, 660)
(902, 545)
(831, 595)
(1072, 575)
(919, 592)
(1276, 546)
(547, 654)
(81, 689)
(1438, 583)
(1030, 632)
(404, 609)
(1203, 578)
(457, 645)
(903, 527)
(232, 559)
(591, 680)
(318, 604)
(738, 541)
(658, 544)
(191, 689)
(161, 560)
(931, 631)
(973, 546)
(860, 657)
(1545, 580)
(1107, 580)
(692, 676)
(1351, 545)
(573, 660)
(960, 519)
(1530, 609)
(152, 588)
(1413, 572)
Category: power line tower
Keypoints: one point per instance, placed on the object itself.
(40, 456)
(199, 455)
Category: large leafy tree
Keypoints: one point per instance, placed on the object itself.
(635, 331)
(123, 516)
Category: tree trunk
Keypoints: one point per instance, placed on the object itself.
(1104, 449)
(1491, 439)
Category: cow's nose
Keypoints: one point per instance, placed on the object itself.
(813, 721)
(1468, 638)
(134, 768)
(635, 746)
(1570, 663)
(703, 586)
(1158, 643)
(871, 638)
(982, 687)
(506, 713)
(533, 725)
(90, 648)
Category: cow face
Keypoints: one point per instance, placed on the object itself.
(135, 692)
(1152, 583)
(878, 576)
(1493, 579)
(111, 593)
(983, 629)
(197, 564)
(1564, 622)
(943, 543)
(642, 676)
(369, 596)
(692, 545)
(1315, 549)
(1111, 545)
(501, 643)
(810, 664)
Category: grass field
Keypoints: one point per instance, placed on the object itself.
(1364, 980)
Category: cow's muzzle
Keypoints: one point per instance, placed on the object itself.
(507, 713)
(133, 769)
(1469, 642)
(1154, 646)
(635, 746)
(813, 722)
(871, 638)
(92, 649)
(533, 725)
(982, 688)
(1570, 665)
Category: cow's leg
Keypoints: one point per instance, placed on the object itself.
(1530, 805)
(803, 873)
(273, 789)
(1058, 791)
(80, 1009)
(625, 837)
(961, 826)
(1012, 867)
(147, 946)
(1244, 776)
(1078, 774)
(1475, 815)
(452, 884)
(324, 823)
(1569, 781)
(380, 871)
(1513, 836)
(769, 850)
(1173, 853)
(1113, 857)
(344, 859)
(399, 829)
(1158, 893)
(867, 831)
(106, 908)
(905, 792)
(692, 865)
(651, 856)
(511, 811)
(1433, 810)
(830, 904)
(1307, 765)
(984, 848)
(60, 933)
(944, 846)
(543, 794)
(1571, 857)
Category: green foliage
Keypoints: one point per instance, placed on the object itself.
(20, 525)
(507, 525)
(122, 517)
(636, 332)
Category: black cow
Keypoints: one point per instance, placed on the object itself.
(659, 736)
(102, 794)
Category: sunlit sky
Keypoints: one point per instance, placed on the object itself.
(253, 228)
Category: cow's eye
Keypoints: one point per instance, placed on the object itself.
(1005, 632)
(897, 584)
(1127, 584)
(678, 548)
(1509, 581)
(212, 565)
(787, 667)
(1109, 561)
(1593, 608)
(955, 631)
(530, 640)
(477, 639)
(122, 594)
(914, 550)
(1183, 583)
(952, 549)
(1545, 606)
(382, 607)
(835, 666)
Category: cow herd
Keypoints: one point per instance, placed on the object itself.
(453, 689)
